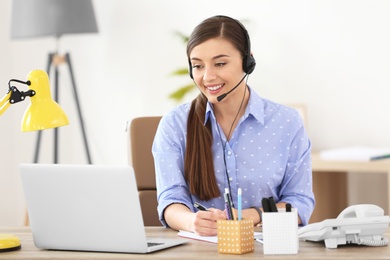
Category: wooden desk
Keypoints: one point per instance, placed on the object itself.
(330, 183)
(192, 250)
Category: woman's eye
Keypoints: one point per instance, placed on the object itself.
(220, 64)
(195, 66)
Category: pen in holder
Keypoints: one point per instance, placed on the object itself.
(235, 236)
(280, 232)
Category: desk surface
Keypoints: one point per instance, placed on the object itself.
(319, 164)
(192, 250)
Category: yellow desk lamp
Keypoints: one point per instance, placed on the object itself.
(42, 113)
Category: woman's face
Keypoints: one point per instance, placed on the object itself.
(216, 68)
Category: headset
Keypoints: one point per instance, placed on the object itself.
(249, 62)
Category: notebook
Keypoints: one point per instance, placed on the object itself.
(87, 208)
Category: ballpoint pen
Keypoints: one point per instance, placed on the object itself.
(225, 196)
(228, 205)
(200, 206)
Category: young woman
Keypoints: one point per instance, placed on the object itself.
(228, 138)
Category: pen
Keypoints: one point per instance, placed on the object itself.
(265, 204)
(272, 204)
(230, 202)
(228, 205)
(288, 207)
(239, 205)
(380, 157)
(200, 206)
(225, 196)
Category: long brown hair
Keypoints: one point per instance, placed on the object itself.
(198, 161)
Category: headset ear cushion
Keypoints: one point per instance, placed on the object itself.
(249, 64)
(190, 69)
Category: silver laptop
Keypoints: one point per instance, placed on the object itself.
(87, 208)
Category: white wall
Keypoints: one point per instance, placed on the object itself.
(332, 55)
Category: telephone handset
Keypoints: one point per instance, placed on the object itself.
(362, 224)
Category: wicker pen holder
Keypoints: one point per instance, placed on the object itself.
(235, 236)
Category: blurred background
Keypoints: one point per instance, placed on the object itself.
(331, 55)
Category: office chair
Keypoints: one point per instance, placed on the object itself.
(142, 132)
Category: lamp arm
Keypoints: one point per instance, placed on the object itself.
(4, 103)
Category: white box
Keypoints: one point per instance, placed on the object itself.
(280, 232)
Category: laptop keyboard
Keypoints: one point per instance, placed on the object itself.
(150, 244)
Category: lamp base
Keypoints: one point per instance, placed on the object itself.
(9, 242)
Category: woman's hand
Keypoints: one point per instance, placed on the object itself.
(205, 222)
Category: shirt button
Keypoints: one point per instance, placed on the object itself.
(230, 178)
(229, 152)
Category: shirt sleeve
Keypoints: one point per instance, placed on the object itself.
(168, 150)
(296, 187)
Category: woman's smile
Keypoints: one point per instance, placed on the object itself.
(214, 88)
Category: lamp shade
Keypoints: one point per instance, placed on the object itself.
(43, 112)
(34, 18)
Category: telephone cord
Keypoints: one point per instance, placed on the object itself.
(367, 242)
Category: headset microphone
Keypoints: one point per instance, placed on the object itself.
(219, 98)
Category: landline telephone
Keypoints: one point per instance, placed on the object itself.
(362, 224)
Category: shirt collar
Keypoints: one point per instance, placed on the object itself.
(255, 108)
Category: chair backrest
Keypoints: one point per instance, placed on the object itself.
(142, 132)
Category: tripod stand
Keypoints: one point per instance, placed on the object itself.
(55, 60)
